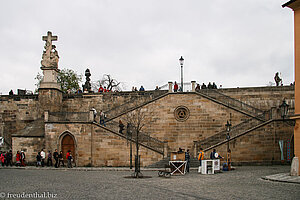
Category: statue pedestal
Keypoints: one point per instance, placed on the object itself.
(50, 78)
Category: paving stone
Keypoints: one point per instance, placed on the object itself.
(100, 183)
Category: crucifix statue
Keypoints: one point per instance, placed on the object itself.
(50, 55)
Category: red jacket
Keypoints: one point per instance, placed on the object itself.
(100, 89)
(2, 157)
(18, 157)
(176, 87)
(68, 154)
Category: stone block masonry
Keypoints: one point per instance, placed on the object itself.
(178, 119)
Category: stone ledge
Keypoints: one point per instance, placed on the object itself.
(283, 177)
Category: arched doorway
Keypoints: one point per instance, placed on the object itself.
(68, 143)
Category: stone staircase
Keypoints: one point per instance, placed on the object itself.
(133, 104)
(235, 132)
(258, 119)
(144, 139)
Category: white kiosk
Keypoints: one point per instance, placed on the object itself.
(209, 166)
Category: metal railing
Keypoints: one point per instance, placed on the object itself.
(235, 131)
(227, 100)
(143, 138)
(132, 103)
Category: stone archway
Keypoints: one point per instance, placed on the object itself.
(68, 143)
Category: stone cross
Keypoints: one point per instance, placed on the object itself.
(50, 55)
(48, 39)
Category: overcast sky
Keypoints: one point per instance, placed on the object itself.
(233, 43)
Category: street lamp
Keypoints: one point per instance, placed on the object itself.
(284, 109)
(228, 128)
(181, 61)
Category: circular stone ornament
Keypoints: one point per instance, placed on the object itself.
(181, 113)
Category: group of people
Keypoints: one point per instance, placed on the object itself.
(134, 89)
(58, 158)
(198, 87)
(103, 89)
(213, 155)
(102, 116)
(209, 86)
(6, 159)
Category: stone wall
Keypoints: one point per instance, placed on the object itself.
(205, 119)
(263, 97)
(15, 113)
(260, 146)
(96, 146)
(30, 145)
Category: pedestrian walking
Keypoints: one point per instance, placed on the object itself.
(55, 156)
(43, 155)
(49, 159)
(18, 159)
(121, 127)
(95, 113)
(102, 118)
(38, 159)
(61, 159)
(23, 156)
(69, 158)
(9, 158)
(2, 158)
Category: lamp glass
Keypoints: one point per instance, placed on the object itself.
(181, 60)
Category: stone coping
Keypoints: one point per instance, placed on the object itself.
(283, 177)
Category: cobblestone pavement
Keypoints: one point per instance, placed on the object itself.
(242, 183)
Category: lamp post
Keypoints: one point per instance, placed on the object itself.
(228, 127)
(284, 109)
(181, 61)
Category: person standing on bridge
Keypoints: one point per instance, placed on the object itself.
(121, 126)
(175, 87)
(95, 113)
(201, 156)
(187, 159)
(102, 118)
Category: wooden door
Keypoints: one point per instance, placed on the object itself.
(67, 144)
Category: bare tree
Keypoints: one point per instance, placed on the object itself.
(109, 82)
(136, 120)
